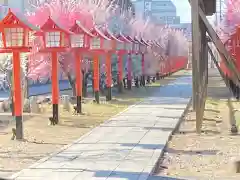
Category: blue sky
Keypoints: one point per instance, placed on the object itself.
(183, 10)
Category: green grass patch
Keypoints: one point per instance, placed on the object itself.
(155, 84)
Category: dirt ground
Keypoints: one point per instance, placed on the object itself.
(42, 139)
(211, 155)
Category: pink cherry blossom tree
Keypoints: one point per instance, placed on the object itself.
(90, 13)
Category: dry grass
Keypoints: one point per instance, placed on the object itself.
(212, 154)
(42, 139)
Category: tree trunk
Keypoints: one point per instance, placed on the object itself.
(84, 79)
(11, 101)
(26, 83)
(72, 83)
(92, 83)
(25, 95)
(83, 84)
(10, 85)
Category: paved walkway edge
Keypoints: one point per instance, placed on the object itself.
(170, 136)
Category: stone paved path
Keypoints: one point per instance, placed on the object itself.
(126, 147)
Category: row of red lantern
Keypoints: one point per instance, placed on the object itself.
(16, 32)
(233, 46)
(15, 37)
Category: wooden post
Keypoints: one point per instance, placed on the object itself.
(203, 73)
(78, 72)
(195, 61)
(17, 95)
(55, 88)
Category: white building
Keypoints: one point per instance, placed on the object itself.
(159, 11)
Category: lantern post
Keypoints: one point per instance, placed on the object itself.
(143, 50)
(15, 38)
(137, 47)
(80, 43)
(126, 48)
(99, 44)
(55, 39)
(129, 63)
(117, 45)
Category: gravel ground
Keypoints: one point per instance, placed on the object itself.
(211, 155)
(42, 139)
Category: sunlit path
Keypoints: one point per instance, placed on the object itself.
(126, 147)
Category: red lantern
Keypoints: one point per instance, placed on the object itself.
(137, 44)
(143, 50)
(127, 47)
(129, 38)
(80, 42)
(55, 39)
(81, 37)
(117, 45)
(129, 62)
(99, 44)
(15, 33)
(127, 43)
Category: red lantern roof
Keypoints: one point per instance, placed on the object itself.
(96, 32)
(130, 39)
(144, 42)
(51, 25)
(149, 42)
(156, 44)
(138, 41)
(15, 19)
(110, 35)
(78, 28)
(123, 38)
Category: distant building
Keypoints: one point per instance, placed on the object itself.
(185, 27)
(3, 10)
(18, 5)
(159, 11)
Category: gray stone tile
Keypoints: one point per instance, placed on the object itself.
(140, 153)
(65, 174)
(123, 176)
(79, 164)
(85, 175)
(30, 178)
(36, 172)
(131, 166)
